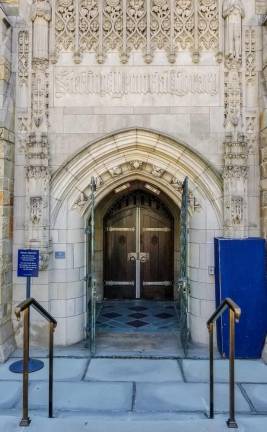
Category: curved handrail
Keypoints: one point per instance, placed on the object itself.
(234, 316)
(32, 302)
(25, 308)
(227, 303)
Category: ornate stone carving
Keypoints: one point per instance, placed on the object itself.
(88, 25)
(127, 25)
(43, 260)
(22, 124)
(208, 24)
(160, 27)
(250, 53)
(136, 22)
(157, 171)
(233, 96)
(116, 171)
(81, 202)
(23, 57)
(235, 177)
(237, 205)
(184, 24)
(136, 165)
(35, 209)
(112, 25)
(37, 149)
(40, 92)
(233, 12)
(177, 184)
(65, 25)
(40, 15)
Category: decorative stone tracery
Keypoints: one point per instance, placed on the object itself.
(127, 25)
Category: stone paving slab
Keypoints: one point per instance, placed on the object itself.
(257, 393)
(89, 396)
(134, 370)
(87, 424)
(185, 397)
(10, 392)
(247, 371)
(65, 369)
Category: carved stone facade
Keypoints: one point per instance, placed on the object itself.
(146, 91)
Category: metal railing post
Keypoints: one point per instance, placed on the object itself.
(231, 423)
(234, 315)
(25, 421)
(25, 308)
(211, 371)
(51, 369)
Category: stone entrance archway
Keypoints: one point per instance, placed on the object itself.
(131, 155)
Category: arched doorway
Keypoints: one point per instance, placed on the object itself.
(131, 155)
(138, 248)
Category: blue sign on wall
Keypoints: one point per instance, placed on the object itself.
(28, 263)
(60, 254)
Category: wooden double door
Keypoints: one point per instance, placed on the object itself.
(138, 249)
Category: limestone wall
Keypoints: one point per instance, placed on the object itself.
(6, 185)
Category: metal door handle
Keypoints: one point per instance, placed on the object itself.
(132, 256)
(144, 257)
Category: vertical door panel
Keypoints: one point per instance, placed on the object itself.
(120, 243)
(157, 245)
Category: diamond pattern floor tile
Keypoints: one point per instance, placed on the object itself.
(150, 316)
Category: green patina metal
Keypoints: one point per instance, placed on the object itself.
(90, 279)
(183, 282)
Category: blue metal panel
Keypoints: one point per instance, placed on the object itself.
(240, 274)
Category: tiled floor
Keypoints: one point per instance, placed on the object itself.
(142, 316)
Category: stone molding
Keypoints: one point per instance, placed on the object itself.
(162, 161)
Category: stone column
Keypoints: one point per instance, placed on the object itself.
(7, 343)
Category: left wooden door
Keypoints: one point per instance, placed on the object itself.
(120, 245)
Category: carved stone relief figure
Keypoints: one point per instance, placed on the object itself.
(233, 12)
(41, 15)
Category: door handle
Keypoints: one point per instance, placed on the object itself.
(144, 257)
(132, 256)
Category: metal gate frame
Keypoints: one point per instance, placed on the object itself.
(183, 282)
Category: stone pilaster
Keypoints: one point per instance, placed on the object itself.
(235, 145)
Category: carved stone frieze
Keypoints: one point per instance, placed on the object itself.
(129, 25)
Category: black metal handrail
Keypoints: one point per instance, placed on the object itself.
(234, 316)
(25, 308)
